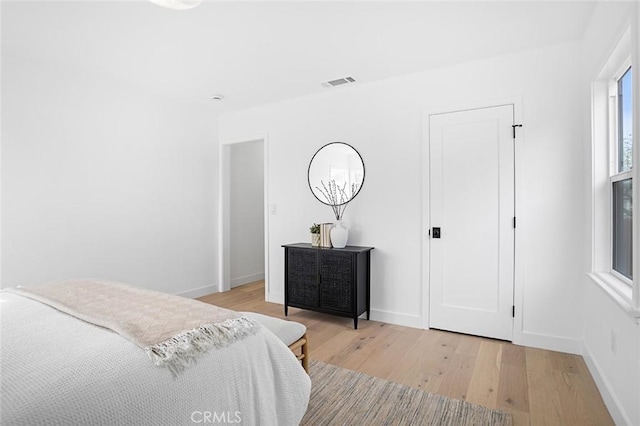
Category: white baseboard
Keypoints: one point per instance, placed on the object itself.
(375, 314)
(397, 318)
(276, 298)
(200, 291)
(616, 410)
(550, 343)
(238, 281)
(541, 341)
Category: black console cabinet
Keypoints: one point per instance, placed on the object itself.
(330, 280)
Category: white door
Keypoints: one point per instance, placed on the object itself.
(472, 203)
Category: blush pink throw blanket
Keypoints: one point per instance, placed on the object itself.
(172, 330)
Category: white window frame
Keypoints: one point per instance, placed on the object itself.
(625, 292)
(614, 175)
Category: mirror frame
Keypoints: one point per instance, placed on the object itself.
(364, 174)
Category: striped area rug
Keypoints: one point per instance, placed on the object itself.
(344, 397)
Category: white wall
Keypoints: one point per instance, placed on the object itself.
(384, 122)
(104, 180)
(246, 199)
(614, 365)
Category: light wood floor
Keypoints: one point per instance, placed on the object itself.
(537, 387)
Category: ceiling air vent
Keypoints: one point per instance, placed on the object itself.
(339, 82)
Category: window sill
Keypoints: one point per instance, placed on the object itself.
(620, 292)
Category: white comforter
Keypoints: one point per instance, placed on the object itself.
(56, 369)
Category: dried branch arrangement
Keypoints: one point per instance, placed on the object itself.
(336, 196)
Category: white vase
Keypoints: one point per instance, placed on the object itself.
(339, 235)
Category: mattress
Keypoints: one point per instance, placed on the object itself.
(57, 369)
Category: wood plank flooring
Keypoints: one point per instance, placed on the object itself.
(537, 387)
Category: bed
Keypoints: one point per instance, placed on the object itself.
(58, 369)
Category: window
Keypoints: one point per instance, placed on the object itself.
(615, 177)
(621, 183)
(625, 121)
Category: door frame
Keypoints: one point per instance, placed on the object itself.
(224, 212)
(518, 294)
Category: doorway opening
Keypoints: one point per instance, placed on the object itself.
(242, 230)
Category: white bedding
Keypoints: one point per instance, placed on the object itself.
(56, 369)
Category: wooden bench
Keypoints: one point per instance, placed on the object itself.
(291, 333)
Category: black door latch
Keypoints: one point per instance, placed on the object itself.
(436, 232)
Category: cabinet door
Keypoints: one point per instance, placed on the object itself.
(336, 281)
(303, 277)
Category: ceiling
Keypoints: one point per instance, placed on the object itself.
(260, 52)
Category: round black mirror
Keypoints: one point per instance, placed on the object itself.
(336, 173)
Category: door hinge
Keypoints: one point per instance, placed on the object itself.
(513, 311)
(514, 222)
(514, 129)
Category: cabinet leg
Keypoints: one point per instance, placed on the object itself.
(355, 323)
(286, 310)
(367, 314)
